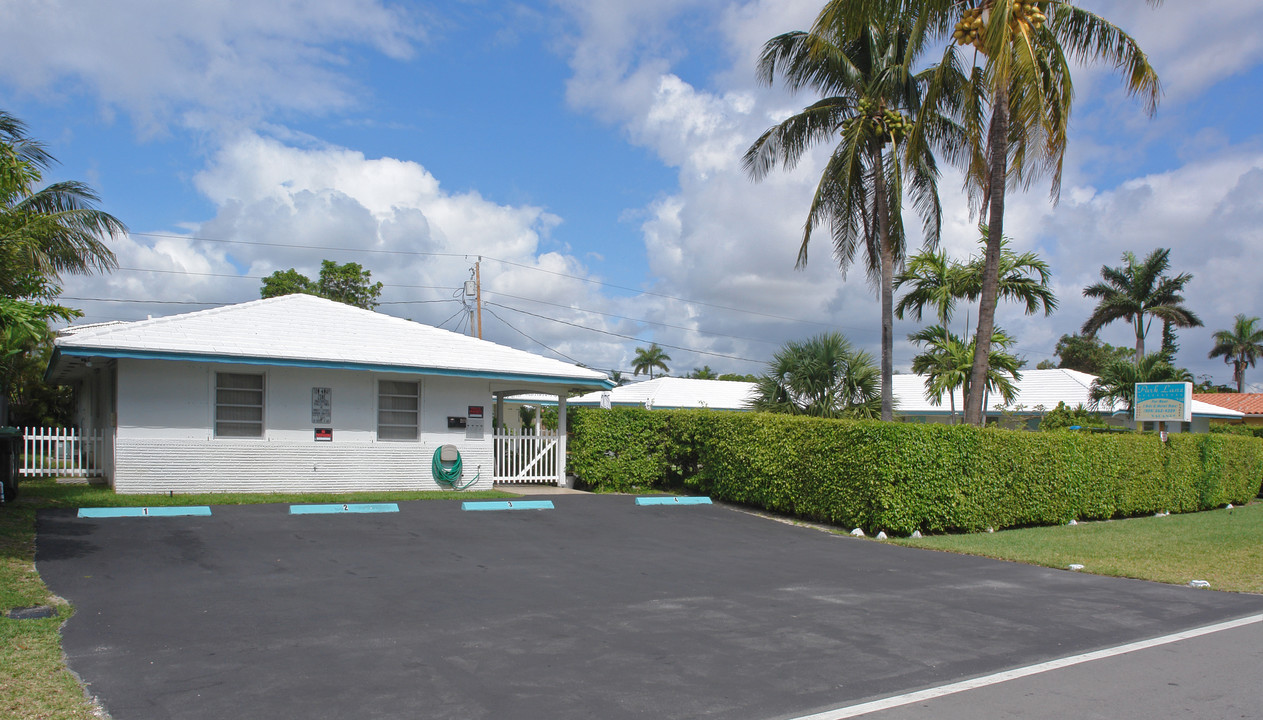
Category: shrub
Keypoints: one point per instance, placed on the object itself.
(1062, 417)
(902, 477)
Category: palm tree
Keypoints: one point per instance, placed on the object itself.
(646, 360)
(1241, 346)
(938, 281)
(618, 378)
(49, 231)
(869, 89)
(43, 233)
(703, 373)
(1136, 289)
(945, 364)
(823, 376)
(1117, 381)
(948, 361)
(1018, 84)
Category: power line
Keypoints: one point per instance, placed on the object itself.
(422, 253)
(528, 337)
(625, 337)
(637, 320)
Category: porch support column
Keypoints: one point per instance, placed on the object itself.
(561, 440)
(500, 408)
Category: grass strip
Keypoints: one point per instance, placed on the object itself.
(1222, 547)
(34, 681)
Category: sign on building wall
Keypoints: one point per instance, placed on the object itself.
(1164, 402)
(321, 405)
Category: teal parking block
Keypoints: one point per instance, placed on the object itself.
(143, 511)
(343, 508)
(672, 500)
(508, 505)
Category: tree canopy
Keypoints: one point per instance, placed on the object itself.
(647, 360)
(1240, 347)
(823, 376)
(347, 283)
(44, 232)
(1138, 291)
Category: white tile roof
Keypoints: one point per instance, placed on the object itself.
(673, 393)
(1036, 388)
(307, 330)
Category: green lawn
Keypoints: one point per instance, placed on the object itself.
(1222, 547)
(34, 682)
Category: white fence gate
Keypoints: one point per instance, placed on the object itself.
(61, 452)
(525, 457)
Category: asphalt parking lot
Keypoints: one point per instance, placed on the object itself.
(595, 609)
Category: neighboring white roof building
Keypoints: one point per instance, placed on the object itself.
(668, 393)
(1037, 392)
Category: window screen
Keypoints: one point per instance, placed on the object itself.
(238, 405)
(398, 405)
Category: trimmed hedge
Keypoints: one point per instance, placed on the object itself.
(902, 477)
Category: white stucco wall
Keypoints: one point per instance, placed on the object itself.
(166, 436)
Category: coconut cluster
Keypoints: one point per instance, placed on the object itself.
(969, 30)
(890, 123)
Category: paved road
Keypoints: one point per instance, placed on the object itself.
(597, 609)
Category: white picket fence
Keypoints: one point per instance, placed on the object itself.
(525, 457)
(61, 452)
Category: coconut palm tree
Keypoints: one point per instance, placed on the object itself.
(823, 376)
(44, 232)
(1138, 289)
(1241, 347)
(1012, 93)
(1117, 381)
(869, 90)
(47, 231)
(648, 359)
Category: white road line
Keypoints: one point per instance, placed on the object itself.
(931, 693)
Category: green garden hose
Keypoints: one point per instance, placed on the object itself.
(449, 477)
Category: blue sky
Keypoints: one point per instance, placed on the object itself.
(594, 148)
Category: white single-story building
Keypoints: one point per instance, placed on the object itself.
(1038, 391)
(296, 393)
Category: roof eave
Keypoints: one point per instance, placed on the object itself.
(570, 380)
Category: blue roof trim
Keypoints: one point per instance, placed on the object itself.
(325, 364)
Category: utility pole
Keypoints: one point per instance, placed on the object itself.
(478, 284)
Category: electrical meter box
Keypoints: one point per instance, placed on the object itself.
(474, 423)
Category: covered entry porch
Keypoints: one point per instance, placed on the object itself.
(529, 454)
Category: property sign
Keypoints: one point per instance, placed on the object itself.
(321, 405)
(1169, 401)
(324, 434)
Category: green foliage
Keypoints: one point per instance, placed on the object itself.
(1242, 430)
(1137, 290)
(648, 360)
(1240, 347)
(1086, 353)
(1117, 381)
(1062, 417)
(734, 377)
(703, 373)
(347, 283)
(901, 477)
(823, 376)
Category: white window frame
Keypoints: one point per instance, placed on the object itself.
(215, 404)
(377, 428)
